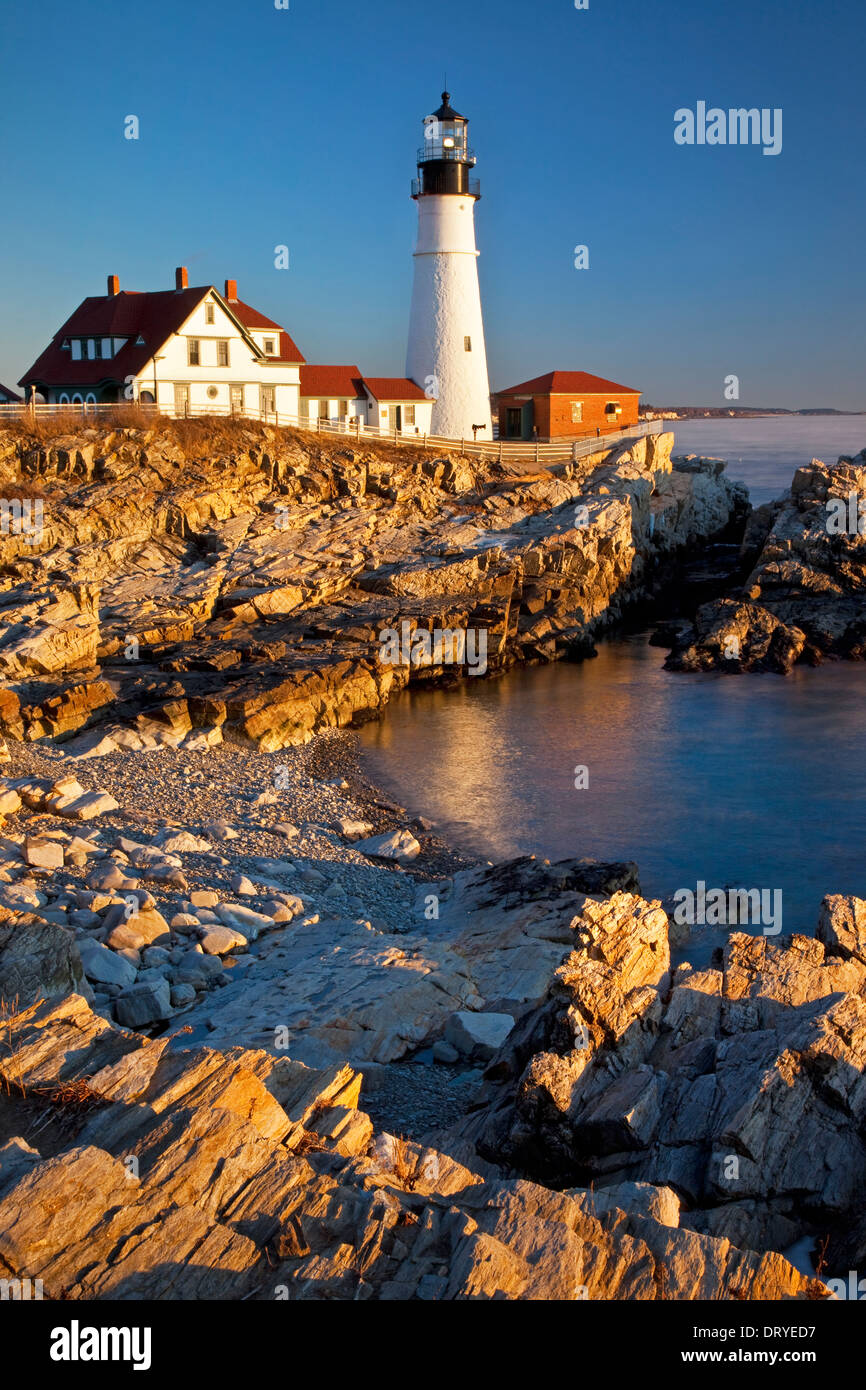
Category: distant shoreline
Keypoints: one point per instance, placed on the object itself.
(695, 412)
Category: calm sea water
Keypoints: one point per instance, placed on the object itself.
(751, 781)
(763, 453)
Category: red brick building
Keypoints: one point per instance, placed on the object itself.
(566, 405)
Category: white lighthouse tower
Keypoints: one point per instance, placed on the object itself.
(446, 354)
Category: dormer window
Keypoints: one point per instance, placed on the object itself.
(269, 346)
(76, 350)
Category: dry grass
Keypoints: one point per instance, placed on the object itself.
(10, 1016)
(68, 1100)
(200, 434)
(405, 1165)
(60, 424)
(20, 490)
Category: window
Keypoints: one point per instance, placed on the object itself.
(76, 349)
(576, 412)
(269, 346)
(193, 348)
(222, 352)
(467, 343)
(107, 348)
(208, 313)
(408, 415)
(267, 399)
(323, 409)
(212, 393)
(91, 347)
(613, 408)
(344, 408)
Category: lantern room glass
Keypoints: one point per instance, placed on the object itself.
(444, 139)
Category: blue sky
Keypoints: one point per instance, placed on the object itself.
(262, 127)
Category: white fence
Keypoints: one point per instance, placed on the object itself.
(502, 449)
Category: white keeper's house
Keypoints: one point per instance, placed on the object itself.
(196, 349)
(186, 347)
(383, 403)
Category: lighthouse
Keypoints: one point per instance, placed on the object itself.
(446, 354)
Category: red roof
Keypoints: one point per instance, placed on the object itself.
(394, 388)
(331, 382)
(251, 318)
(568, 383)
(153, 316)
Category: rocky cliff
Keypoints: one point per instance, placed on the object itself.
(220, 962)
(189, 1056)
(803, 600)
(168, 590)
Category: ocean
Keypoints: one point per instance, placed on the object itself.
(754, 781)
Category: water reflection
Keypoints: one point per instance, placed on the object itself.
(754, 781)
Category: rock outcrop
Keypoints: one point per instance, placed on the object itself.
(740, 1086)
(173, 596)
(804, 598)
(227, 1154)
(202, 1175)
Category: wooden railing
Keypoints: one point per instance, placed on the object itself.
(502, 449)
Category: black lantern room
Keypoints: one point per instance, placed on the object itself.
(445, 159)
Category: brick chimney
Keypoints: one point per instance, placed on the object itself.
(231, 289)
(113, 285)
(181, 278)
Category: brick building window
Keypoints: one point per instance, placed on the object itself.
(576, 412)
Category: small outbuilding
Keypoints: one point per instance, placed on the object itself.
(566, 405)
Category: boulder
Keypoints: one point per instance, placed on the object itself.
(221, 941)
(105, 967)
(38, 960)
(397, 845)
(477, 1035)
(143, 1004)
(42, 853)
